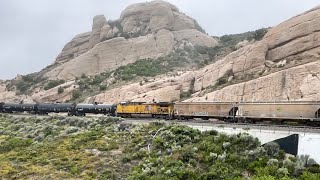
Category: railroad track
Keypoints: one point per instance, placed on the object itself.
(245, 126)
(216, 123)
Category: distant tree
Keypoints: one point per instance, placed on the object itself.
(259, 34)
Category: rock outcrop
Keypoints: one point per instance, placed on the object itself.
(286, 46)
(11, 96)
(144, 30)
(298, 83)
(284, 65)
(52, 94)
(77, 46)
(165, 89)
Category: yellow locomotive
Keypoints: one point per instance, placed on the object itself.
(156, 110)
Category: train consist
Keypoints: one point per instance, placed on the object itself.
(303, 112)
(71, 109)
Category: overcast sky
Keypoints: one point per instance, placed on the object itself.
(33, 32)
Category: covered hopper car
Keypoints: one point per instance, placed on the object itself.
(218, 110)
(305, 112)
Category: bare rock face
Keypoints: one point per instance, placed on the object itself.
(166, 89)
(298, 34)
(144, 30)
(77, 46)
(298, 83)
(52, 95)
(242, 44)
(98, 23)
(107, 32)
(116, 52)
(195, 37)
(293, 42)
(11, 96)
(144, 18)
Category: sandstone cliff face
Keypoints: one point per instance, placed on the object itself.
(144, 30)
(284, 65)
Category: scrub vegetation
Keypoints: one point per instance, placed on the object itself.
(106, 148)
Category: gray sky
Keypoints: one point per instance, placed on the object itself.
(33, 32)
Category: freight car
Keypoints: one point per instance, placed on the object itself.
(106, 109)
(17, 107)
(156, 110)
(218, 110)
(45, 108)
(303, 112)
(71, 108)
(1, 106)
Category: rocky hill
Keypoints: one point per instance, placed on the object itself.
(145, 30)
(281, 66)
(155, 52)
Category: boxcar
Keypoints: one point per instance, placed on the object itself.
(299, 111)
(205, 110)
(129, 109)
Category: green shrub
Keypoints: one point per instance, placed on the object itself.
(60, 90)
(185, 95)
(103, 87)
(53, 83)
(222, 81)
(13, 143)
(25, 83)
(83, 76)
(97, 79)
(75, 95)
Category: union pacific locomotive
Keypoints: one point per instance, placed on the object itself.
(303, 112)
